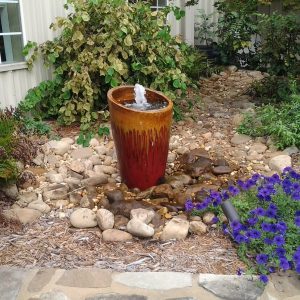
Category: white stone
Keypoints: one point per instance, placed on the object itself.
(94, 142)
(144, 215)
(59, 147)
(115, 235)
(77, 166)
(171, 157)
(95, 160)
(55, 178)
(82, 153)
(197, 227)
(208, 218)
(278, 163)
(176, 229)
(291, 150)
(107, 161)
(105, 169)
(101, 150)
(83, 218)
(68, 140)
(138, 228)
(105, 219)
(182, 150)
(88, 165)
(39, 205)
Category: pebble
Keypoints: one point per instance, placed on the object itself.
(208, 218)
(197, 227)
(83, 218)
(138, 228)
(176, 229)
(144, 215)
(115, 235)
(278, 163)
(105, 219)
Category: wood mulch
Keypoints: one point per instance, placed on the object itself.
(52, 243)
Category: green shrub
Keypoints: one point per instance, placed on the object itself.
(104, 44)
(281, 122)
(259, 41)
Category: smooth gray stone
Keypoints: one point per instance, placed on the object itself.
(231, 287)
(155, 280)
(10, 282)
(117, 297)
(41, 279)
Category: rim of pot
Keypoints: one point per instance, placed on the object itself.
(112, 99)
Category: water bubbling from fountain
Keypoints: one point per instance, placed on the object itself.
(139, 95)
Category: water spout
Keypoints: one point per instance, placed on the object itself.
(140, 92)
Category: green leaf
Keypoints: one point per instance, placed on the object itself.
(103, 131)
(110, 71)
(128, 41)
(176, 84)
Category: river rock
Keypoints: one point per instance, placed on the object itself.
(39, 205)
(138, 228)
(96, 180)
(105, 219)
(61, 203)
(179, 181)
(176, 229)
(105, 169)
(237, 119)
(83, 218)
(95, 160)
(208, 218)
(88, 165)
(171, 157)
(291, 150)
(162, 191)
(115, 235)
(27, 179)
(197, 227)
(144, 215)
(26, 198)
(59, 147)
(55, 192)
(278, 163)
(82, 153)
(101, 150)
(75, 198)
(94, 142)
(220, 170)
(198, 167)
(258, 148)
(77, 166)
(10, 190)
(73, 183)
(55, 178)
(26, 215)
(240, 139)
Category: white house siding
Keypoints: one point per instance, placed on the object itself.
(37, 16)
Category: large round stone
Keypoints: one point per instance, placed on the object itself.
(83, 218)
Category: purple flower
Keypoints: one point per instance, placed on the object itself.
(189, 205)
(215, 220)
(236, 225)
(239, 238)
(252, 221)
(255, 176)
(296, 257)
(225, 195)
(297, 268)
(234, 191)
(279, 240)
(263, 278)
(296, 195)
(297, 214)
(284, 264)
(270, 213)
(260, 211)
(272, 269)
(268, 241)
(280, 252)
(287, 170)
(266, 226)
(273, 228)
(254, 234)
(262, 259)
(240, 271)
(241, 184)
(297, 221)
(281, 227)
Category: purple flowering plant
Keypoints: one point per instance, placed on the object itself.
(268, 233)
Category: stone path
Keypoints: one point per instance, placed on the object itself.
(99, 284)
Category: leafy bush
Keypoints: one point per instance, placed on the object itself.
(259, 41)
(281, 122)
(14, 146)
(268, 231)
(104, 44)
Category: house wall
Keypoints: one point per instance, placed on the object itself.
(37, 15)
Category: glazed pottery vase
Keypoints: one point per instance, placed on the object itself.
(141, 137)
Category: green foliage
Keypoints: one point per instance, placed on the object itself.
(281, 122)
(84, 138)
(204, 27)
(103, 130)
(276, 45)
(32, 126)
(104, 44)
(8, 170)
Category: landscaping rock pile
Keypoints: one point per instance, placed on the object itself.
(206, 153)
